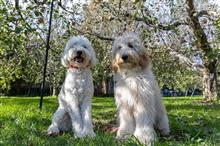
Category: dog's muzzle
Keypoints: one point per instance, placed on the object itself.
(125, 57)
(79, 57)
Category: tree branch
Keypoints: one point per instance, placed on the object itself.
(71, 12)
(186, 60)
(161, 26)
(206, 13)
(96, 35)
(173, 25)
(40, 3)
(197, 28)
(181, 57)
(119, 5)
(23, 19)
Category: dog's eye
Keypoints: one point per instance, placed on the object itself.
(130, 45)
(119, 47)
(84, 46)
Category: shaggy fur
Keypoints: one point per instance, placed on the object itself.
(137, 94)
(75, 96)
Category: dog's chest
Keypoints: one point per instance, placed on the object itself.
(126, 91)
(79, 84)
(130, 91)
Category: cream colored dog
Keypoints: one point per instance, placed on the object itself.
(76, 94)
(137, 94)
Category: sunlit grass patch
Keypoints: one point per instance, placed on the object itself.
(191, 122)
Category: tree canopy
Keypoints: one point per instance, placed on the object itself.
(182, 37)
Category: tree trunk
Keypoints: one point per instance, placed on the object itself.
(55, 87)
(55, 90)
(208, 85)
(29, 90)
(104, 86)
(217, 85)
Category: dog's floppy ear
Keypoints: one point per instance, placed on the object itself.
(65, 61)
(144, 60)
(114, 65)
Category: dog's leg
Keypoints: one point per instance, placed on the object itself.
(163, 125)
(57, 119)
(76, 118)
(144, 131)
(162, 120)
(66, 123)
(87, 118)
(126, 123)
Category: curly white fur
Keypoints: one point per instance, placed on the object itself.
(137, 94)
(76, 93)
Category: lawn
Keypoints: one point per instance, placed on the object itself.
(21, 123)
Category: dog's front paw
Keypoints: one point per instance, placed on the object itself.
(122, 138)
(146, 137)
(53, 130)
(165, 132)
(122, 134)
(79, 134)
(89, 133)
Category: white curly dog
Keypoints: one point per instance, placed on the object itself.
(76, 93)
(137, 94)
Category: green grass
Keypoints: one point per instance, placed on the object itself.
(21, 123)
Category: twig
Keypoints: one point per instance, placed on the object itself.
(61, 6)
(96, 34)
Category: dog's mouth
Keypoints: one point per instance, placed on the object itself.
(126, 62)
(121, 61)
(78, 59)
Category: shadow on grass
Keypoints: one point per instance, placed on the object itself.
(190, 122)
(183, 98)
(100, 107)
(193, 107)
(26, 101)
(103, 100)
(193, 122)
(32, 131)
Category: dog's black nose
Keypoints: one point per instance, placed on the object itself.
(124, 57)
(79, 52)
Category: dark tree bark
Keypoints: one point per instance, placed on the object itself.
(217, 84)
(210, 65)
(208, 85)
